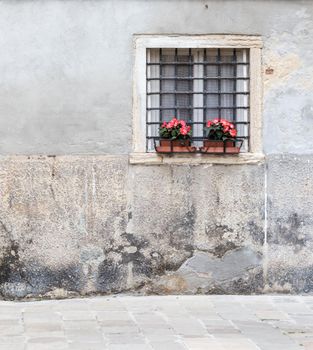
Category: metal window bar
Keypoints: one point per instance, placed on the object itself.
(199, 123)
(190, 82)
(198, 93)
(219, 81)
(195, 78)
(161, 74)
(191, 108)
(205, 82)
(237, 75)
(235, 86)
(175, 82)
(201, 63)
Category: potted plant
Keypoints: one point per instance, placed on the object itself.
(221, 137)
(175, 137)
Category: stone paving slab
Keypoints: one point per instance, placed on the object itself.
(159, 322)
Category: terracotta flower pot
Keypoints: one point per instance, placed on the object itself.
(170, 146)
(214, 146)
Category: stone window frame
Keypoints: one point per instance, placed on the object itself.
(142, 42)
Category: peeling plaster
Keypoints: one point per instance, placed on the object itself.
(284, 66)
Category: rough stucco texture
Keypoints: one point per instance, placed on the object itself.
(78, 224)
(59, 220)
(290, 230)
(92, 224)
(81, 225)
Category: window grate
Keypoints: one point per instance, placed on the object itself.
(197, 85)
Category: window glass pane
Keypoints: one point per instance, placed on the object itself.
(211, 114)
(226, 100)
(212, 85)
(168, 114)
(227, 114)
(212, 100)
(211, 71)
(227, 85)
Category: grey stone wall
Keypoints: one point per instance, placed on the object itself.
(77, 218)
(95, 224)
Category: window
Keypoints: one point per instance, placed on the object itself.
(197, 78)
(197, 85)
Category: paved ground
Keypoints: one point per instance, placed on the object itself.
(159, 323)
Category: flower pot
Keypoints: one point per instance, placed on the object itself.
(170, 146)
(214, 146)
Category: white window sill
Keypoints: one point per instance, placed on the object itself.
(194, 159)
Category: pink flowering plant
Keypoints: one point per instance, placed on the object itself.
(220, 130)
(175, 130)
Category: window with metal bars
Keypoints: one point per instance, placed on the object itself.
(197, 85)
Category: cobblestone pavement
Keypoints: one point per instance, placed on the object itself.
(159, 323)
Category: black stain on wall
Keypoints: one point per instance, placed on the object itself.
(110, 276)
(288, 231)
(11, 269)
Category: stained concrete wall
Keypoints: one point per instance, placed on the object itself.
(77, 218)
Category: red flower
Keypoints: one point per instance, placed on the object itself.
(184, 130)
(233, 132)
(175, 128)
(175, 122)
(220, 129)
(225, 122)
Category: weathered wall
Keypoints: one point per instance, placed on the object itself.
(290, 223)
(66, 68)
(96, 224)
(73, 223)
